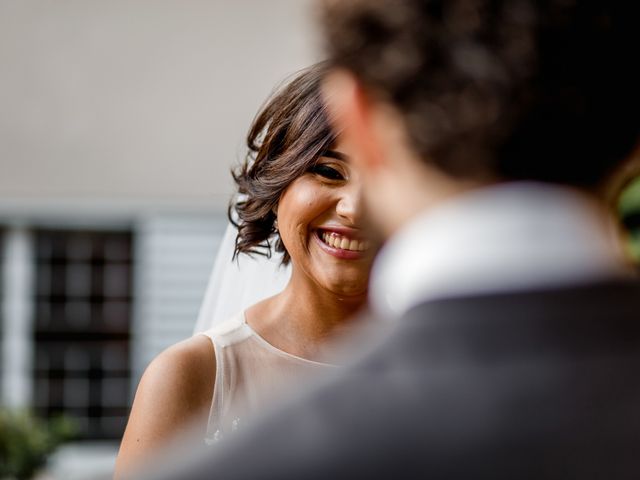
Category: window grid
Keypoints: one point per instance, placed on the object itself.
(82, 328)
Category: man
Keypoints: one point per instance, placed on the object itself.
(481, 130)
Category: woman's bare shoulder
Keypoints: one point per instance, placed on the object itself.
(184, 373)
(192, 358)
(176, 388)
(179, 380)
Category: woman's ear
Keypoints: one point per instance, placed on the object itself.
(350, 112)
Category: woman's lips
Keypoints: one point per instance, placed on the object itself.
(341, 245)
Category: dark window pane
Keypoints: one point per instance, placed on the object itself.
(83, 315)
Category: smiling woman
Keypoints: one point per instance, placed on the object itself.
(320, 225)
(299, 196)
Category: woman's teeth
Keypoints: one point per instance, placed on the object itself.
(336, 240)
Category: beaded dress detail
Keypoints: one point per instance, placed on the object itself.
(250, 375)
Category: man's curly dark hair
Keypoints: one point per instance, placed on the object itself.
(287, 137)
(505, 89)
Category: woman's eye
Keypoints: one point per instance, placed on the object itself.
(327, 172)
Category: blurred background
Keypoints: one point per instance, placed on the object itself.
(119, 122)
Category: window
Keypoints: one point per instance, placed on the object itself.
(82, 310)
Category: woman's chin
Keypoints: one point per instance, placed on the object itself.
(355, 292)
(341, 280)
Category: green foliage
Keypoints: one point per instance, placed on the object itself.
(629, 211)
(630, 198)
(26, 442)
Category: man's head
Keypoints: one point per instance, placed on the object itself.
(440, 96)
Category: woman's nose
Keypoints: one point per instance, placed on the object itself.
(349, 204)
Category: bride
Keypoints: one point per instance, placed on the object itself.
(298, 196)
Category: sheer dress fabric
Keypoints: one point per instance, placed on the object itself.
(251, 374)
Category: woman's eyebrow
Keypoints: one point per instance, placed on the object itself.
(335, 154)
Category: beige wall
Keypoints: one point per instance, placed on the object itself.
(137, 100)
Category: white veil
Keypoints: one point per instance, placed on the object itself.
(236, 285)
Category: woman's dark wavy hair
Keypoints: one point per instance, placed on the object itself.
(289, 134)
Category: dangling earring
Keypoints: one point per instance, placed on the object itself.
(275, 219)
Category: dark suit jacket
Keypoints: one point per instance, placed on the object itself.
(539, 384)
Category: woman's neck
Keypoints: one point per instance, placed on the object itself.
(304, 318)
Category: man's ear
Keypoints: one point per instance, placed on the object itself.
(350, 113)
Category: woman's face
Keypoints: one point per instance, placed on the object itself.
(320, 220)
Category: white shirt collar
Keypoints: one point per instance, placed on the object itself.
(509, 237)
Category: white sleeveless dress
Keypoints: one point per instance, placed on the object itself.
(250, 375)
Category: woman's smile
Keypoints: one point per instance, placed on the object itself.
(341, 243)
